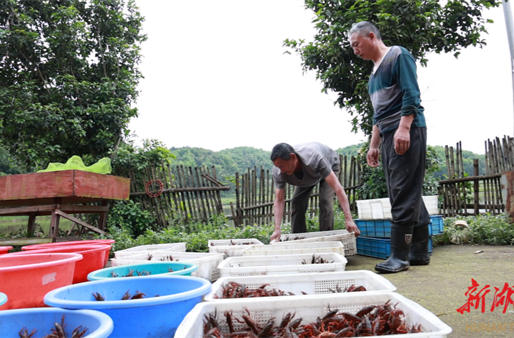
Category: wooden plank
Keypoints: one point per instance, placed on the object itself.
(67, 183)
(80, 222)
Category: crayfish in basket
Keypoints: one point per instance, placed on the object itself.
(372, 320)
(351, 288)
(57, 331)
(286, 239)
(236, 290)
(317, 260)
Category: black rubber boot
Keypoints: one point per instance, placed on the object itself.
(401, 238)
(419, 249)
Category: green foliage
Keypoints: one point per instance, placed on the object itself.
(467, 163)
(421, 26)
(483, 229)
(129, 215)
(8, 165)
(374, 183)
(130, 156)
(68, 77)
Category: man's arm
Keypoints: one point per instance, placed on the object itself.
(343, 201)
(278, 210)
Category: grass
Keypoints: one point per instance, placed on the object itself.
(16, 226)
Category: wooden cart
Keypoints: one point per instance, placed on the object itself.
(60, 194)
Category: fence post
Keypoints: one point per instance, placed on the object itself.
(507, 185)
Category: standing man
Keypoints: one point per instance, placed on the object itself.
(399, 123)
(304, 166)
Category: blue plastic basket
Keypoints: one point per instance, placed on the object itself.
(378, 247)
(3, 298)
(147, 269)
(99, 325)
(382, 227)
(168, 299)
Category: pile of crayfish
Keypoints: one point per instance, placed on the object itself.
(291, 239)
(237, 290)
(132, 273)
(234, 243)
(317, 260)
(163, 259)
(138, 295)
(57, 331)
(372, 320)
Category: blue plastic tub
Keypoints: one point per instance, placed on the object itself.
(379, 247)
(99, 325)
(382, 227)
(151, 316)
(153, 268)
(3, 298)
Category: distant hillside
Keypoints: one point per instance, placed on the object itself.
(229, 161)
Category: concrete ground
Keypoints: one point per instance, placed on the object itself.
(441, 286)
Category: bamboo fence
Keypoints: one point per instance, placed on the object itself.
(181, 193)
(466, 195)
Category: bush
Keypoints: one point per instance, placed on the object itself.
(129, 216)
(483, 229)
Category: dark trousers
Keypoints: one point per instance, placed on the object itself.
(300, 202)
(404, 177)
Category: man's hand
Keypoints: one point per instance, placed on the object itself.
(373, 157)
(352, 227)
(401, 141)
(275, 236)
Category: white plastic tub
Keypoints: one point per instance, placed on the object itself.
(207, 262)
(348, 239)
(280, 264)
(310, 308)
(311, 283)
(232, 247)
(291, 248)
(380, 208)
(168, 247)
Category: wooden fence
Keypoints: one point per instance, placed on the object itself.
(462, 194)
(181, 193)
(187, 193)
(255, 194)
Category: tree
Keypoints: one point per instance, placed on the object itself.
(68, 77)
(421, 26)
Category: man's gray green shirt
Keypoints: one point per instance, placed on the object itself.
(394, 90)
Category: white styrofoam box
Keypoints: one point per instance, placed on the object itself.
(311, 283)
(169, 247)
(309, 309)
(345, 237)
(281, 264)
(207, 262)
(232, 247)
(380, 208)
(290, 248)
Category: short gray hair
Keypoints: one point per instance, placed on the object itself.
(363, 28)
(283, 151)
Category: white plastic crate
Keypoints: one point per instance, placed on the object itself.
(280, 264)
(309, 309)
(348, 239)
(232, 247)
(310, 283)
(380, 208)
(174, 247)
(207, 262)
(291, 248)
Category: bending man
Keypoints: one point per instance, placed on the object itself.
(304, 166)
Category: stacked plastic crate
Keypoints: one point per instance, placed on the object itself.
(375, 225)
